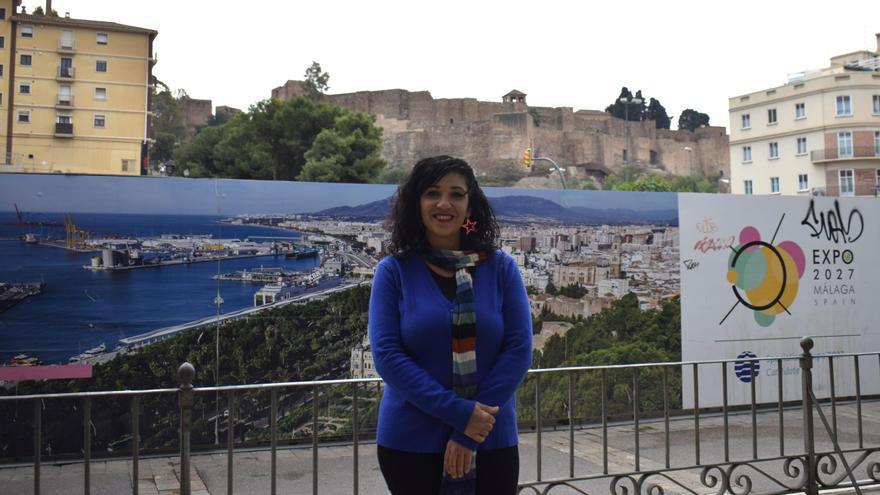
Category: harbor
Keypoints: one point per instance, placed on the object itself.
(80, 309)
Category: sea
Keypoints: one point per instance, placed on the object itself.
(80, 309)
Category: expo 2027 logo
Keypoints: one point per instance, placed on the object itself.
(764, 277)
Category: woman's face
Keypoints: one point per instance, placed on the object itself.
(444, 208)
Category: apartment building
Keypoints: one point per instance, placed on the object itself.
(75, 94)
(818, 134)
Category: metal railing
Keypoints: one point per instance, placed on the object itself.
(64, 100)
(804, 471)
(65, 72)
(64, 128)
(844, 154)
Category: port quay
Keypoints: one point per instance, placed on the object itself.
(147, 338)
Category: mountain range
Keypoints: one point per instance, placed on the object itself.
(524, 209)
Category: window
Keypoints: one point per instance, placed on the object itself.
(27, 31)
(1, 70)
(747, 121)
(774, 185)
(747, 154)
(24, 88)
(875, 110)
(101, 94)
(876, 181)
(876, 143)
(24, 117)
(771, 116)
(2, 13)
(26, 59)
(64, 118)
(101, 66)
(127, 165)
(747, 186)
(2, 41)
(800, 110)
(844, 106)
(801, 146)
(99, 121)
(66, 67)
(844, 144)
(102, 38)
(774, 151)
(847, 186)
(803, 182)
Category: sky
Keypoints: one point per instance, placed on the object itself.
(687, 54)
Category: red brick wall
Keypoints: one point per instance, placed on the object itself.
(865, 180)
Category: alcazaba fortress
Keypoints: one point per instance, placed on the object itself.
(491, 136)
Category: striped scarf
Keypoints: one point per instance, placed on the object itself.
(464, 343)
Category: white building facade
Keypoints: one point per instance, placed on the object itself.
(819, 134)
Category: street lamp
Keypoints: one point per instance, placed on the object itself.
(627, 101)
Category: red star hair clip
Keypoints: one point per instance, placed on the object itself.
(470, 226)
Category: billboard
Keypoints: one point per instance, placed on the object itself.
(761, 272)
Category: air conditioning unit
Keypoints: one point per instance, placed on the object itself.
(817, 191)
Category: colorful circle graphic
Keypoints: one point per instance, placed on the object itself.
(764, 277)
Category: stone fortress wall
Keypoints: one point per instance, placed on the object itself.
(491, 136)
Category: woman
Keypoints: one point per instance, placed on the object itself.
(451, 335)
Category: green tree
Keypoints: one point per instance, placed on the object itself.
(633, 112)
(39, 11)
(652, 183)
(315, 84)
(196, 157)
(169, 127)
(274, 140)
(691, 120)
(536, 117)
(573, 290)
(348, 152)
(658, 114)
(392, 174)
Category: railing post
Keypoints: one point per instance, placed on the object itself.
(185, 375)
(806, 364)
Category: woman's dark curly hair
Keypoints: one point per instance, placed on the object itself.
(405, 221)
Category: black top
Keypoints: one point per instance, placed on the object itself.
(446, 284)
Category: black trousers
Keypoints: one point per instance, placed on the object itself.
(415, 473)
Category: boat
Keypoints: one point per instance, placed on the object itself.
(96, 350)
(24, 360)
(30, 238)
(302, 253)
(90, 353)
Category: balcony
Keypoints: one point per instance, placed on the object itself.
(66, 46)
(64, 130)
(627, 430)
(65, 73)
(834, 154)
(64, 101)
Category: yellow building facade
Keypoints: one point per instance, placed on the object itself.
(74, 93)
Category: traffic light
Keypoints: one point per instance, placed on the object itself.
(527, 157)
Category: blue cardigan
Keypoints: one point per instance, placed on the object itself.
(410, 336)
